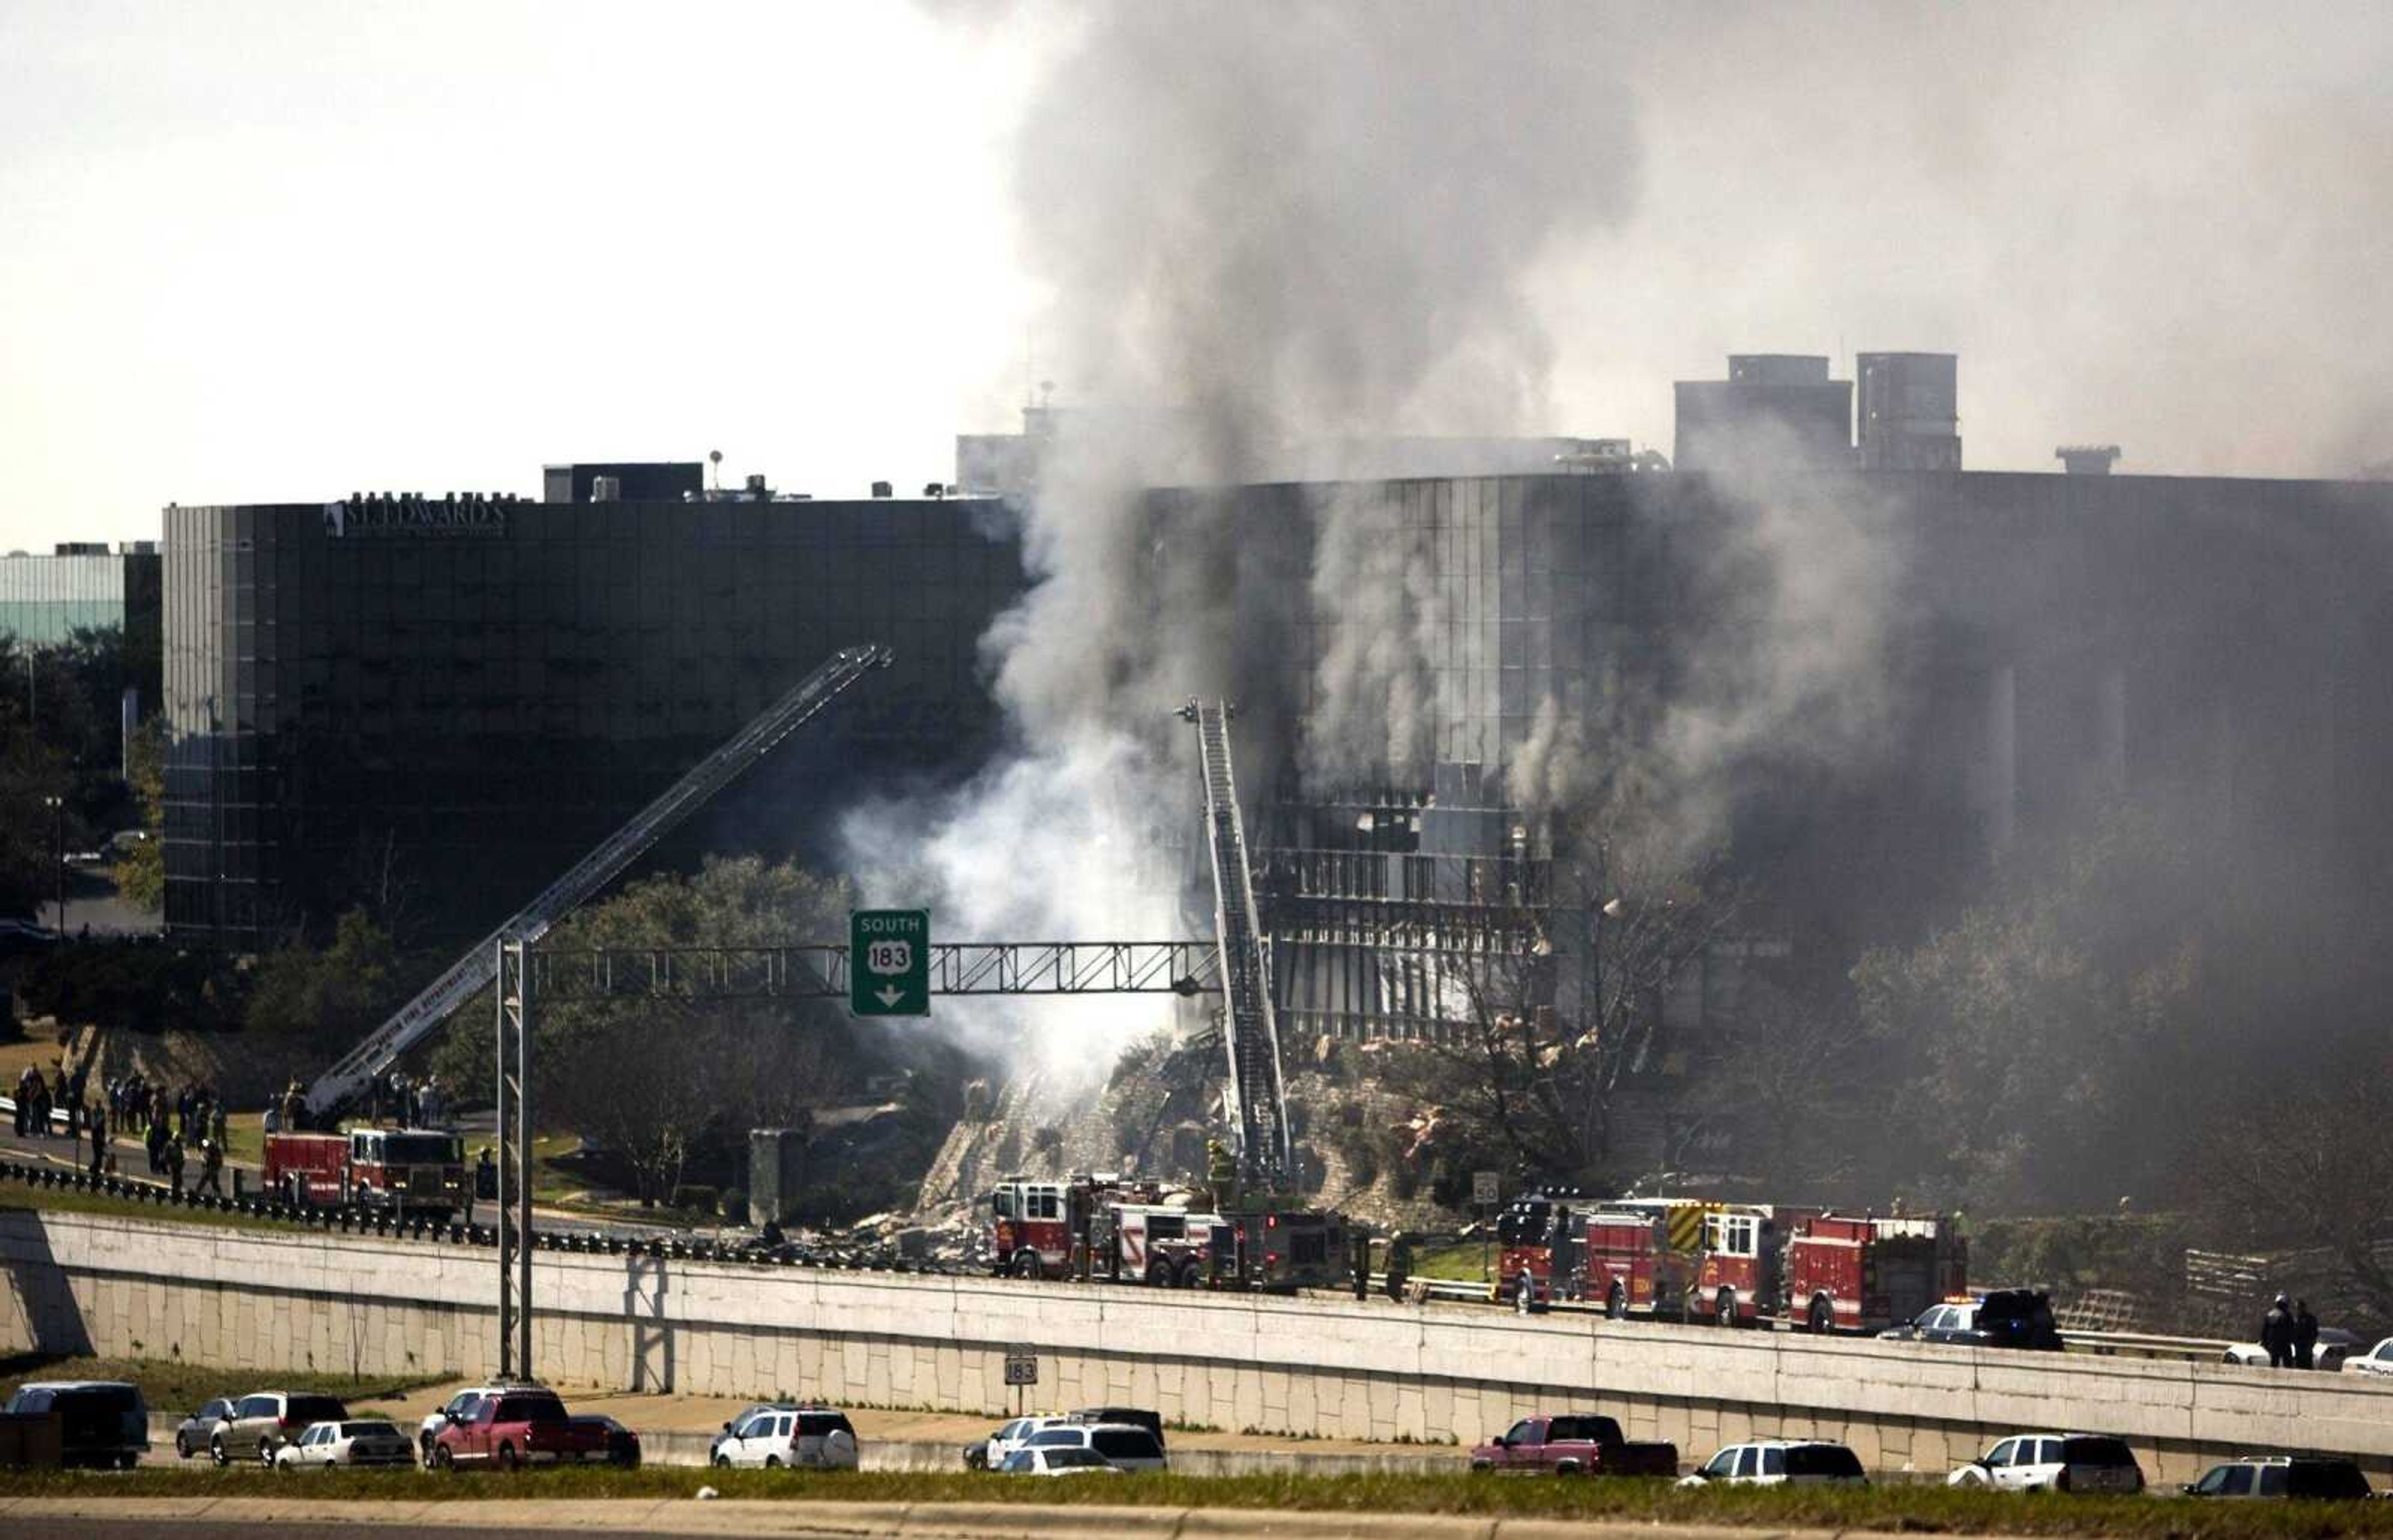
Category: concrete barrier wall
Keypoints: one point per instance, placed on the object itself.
(253, 1301)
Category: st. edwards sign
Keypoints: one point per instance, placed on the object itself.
(469, 514)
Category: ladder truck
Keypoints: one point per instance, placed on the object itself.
(474, 971)
(1255, 1097)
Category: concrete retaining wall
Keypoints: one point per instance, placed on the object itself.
(1437, 1374)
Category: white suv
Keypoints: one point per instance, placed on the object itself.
(1781, 1462)
(2054, 1462)
(781, 1436)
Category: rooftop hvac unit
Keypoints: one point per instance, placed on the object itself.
(605, 489)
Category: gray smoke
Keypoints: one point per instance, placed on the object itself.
(1264, 227)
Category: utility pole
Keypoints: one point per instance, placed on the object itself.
(514, 1067)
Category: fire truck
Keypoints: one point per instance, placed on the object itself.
(1680, 1258)
(405, 1171)
(1865, 1272)
(1727, 1258)
(1102, 1227)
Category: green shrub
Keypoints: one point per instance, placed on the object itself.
(696, 1198)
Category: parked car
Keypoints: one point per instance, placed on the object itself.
(1012, 1436)
(262, 1423)
(1118, 1444)
(326, 1445)
(517, 1428)
(2335, 1347)
(191, 1433)
(1781, 1462)
(1584, 1444)
(622, 1444)
(460, 1408)
(1068, 1461)
(2377, 1359)
(2054, 1462)
(1137, 1416)
(2282, 1476)
(2000, 1318)
(780, 1435)
(101, 1422)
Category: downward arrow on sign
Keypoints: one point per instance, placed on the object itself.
(889, 995)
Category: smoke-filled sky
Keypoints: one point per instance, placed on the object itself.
(254, 251)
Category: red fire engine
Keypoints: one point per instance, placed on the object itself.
(404, 1170)
(1102, 1227)
(1725, 1259)
(1849, 1272)
(1674, 1257)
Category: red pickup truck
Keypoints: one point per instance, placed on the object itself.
(1580, 1444)
(516, 1428)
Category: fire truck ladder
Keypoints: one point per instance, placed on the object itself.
(1257, 1103)
(474, 969)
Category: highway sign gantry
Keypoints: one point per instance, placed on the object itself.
(889, 962)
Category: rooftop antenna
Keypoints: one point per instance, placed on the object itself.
(714, 468)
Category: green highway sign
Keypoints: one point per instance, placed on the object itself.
(889, 962)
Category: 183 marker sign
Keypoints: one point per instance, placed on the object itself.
(889, 962)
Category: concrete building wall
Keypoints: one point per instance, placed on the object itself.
(1329, 1368)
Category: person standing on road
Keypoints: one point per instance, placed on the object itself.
(2276, 1333)
(2306, 1335)
(99, 1142)
(219, 1125)
(211, 1169)
(175, 1162)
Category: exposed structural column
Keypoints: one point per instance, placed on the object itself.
(514, 1039)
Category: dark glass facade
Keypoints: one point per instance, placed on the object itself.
(465, 706)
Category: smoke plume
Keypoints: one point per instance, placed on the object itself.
(1262, 226)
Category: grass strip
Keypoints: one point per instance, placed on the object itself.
(172, 1387)
(66, 1200)
(1885, 1510)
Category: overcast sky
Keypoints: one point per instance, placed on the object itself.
(265, 251)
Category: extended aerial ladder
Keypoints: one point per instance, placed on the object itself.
(474, 971)
(1257, 1102)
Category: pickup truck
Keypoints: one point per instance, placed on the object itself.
(1580, 1444)
(519, 1427)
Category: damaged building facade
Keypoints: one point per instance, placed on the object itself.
(2037, 646)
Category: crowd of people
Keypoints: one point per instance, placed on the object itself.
(173, 1125)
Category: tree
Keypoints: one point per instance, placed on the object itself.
(1567, 1010)
(2309, 1164)
(658, 1079)
(141, 869)
(325, 1000)
(2026, 1041)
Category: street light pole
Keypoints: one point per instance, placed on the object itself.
(58, 806)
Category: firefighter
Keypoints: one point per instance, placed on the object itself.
(1222, 1174)
(2277, 1332)
(1400, 1264)
(175, 1162)
(211, 1168)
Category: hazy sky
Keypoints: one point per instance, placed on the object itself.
(265, 251)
